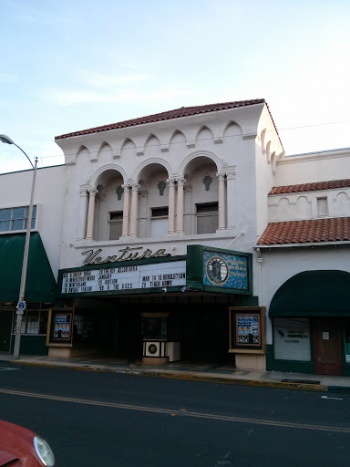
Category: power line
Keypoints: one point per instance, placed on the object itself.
(313, 125)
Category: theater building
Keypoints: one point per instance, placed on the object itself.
(160, 218)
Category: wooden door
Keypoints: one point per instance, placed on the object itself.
(327, 346)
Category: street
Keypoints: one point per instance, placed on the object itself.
(103, 419)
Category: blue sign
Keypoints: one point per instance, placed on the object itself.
(225, 270)
(21, 306)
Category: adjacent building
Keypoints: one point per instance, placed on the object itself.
(44, 253)
(304, 256)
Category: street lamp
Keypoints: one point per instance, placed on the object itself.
(21, 305)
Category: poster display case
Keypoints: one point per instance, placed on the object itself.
(247, 329)
(60, 327)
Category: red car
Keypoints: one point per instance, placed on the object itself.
(20, 447)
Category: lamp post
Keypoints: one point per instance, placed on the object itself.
(21, 305)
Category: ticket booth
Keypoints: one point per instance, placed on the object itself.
(160, 343)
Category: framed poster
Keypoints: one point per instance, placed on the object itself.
(247, 329)
(60, 327)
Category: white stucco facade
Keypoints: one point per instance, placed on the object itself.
(223, 144)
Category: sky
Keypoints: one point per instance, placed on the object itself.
(69, 65)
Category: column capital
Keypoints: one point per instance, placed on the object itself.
(180, 181)
(221, 175)
(93, 191)
(83, 191)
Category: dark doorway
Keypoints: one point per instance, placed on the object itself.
(5, 330)
(129, 343)
(204, 335)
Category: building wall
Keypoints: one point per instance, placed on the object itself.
(315, 167)
(309, 205)
(50, 190)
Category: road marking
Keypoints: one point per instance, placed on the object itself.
(8, 369)
(179, 413)
(332, 398)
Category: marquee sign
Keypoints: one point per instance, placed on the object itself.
(124, 278)
(135, 270)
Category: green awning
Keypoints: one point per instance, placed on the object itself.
(313, 294)
(40, 285)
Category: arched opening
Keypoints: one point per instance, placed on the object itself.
(311, 322)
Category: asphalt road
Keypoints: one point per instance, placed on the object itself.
(100, 419)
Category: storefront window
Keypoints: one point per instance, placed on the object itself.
(34, 321)
(347, 341)
(292, 339)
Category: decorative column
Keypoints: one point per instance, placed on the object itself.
(126, 209)
(231, 198)
(134, 209)
(83, 205)
(171, 228)
(91, 214)
(180, 205)
(222, 201)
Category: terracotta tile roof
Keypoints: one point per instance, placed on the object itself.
(315, 186)
(308, 231)
(171, 114)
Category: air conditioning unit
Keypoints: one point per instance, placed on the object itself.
(153, 349)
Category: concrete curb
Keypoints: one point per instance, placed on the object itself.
(188, 376)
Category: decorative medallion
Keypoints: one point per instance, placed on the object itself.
(217, 270)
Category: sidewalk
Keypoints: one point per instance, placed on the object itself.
(193, 371)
